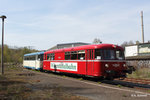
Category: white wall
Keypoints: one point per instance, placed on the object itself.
(131, 51)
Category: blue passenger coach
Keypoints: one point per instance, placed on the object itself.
(33, 60)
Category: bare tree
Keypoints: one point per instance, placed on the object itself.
(124, 44)
(137, 42)
(130, 42)
(97, 41)
(127, 43)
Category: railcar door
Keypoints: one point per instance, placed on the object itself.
(90, 62)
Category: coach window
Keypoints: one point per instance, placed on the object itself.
(98, 54)
(27, 58)
(81, 55)
(32, 58)
(67, 55)
(52, 56)
(73, 55)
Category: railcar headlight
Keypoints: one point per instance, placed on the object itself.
(124, 65)
(106, 65)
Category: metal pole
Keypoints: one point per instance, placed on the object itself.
(2, 63)
(142, 26)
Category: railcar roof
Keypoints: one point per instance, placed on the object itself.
(34, 53)
(85, 47)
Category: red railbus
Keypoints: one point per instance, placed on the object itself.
(102, 60)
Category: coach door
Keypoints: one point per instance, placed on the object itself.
(90, 62)
(37, 62)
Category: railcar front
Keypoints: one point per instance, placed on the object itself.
(111, 61)
(33, 60)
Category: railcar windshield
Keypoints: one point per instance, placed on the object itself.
(109, 54)
(120, 54)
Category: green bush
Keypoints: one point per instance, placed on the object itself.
(15, 54)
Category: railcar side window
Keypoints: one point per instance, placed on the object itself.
(40, 57)
(44, 56)
(81, 54)
(67, 55)
(74, 55)
(98, 54)
(119, 55)
(50, 56)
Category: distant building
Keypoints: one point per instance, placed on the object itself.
(138, 51)
(67, 45)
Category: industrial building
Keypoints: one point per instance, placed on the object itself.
(138, 51)
(67, 45)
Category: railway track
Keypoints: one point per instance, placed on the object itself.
(130, 82)
(134, 80)
(126, 82)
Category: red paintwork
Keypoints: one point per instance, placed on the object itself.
(88, 67)
(85, 47)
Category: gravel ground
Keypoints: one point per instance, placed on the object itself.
(91, 90)
(20, 84)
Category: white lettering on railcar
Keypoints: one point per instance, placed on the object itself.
(64, 66)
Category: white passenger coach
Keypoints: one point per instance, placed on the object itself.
(33, 60)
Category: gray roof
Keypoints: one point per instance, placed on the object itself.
(67, 45)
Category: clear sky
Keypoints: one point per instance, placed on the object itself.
(45, 23)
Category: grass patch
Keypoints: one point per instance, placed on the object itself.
(12, 86)
(124, 95)
(119, 86)
(140, 73)
(80, 79)
(63, 76)
(99, 82)
(148, 91)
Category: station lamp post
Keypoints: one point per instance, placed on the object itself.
(2, 47)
